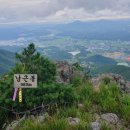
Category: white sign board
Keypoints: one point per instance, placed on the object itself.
(25, 80)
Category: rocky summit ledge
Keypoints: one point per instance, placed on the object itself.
(122, 83)
(66, 71)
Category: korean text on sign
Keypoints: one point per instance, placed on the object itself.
(25, 80)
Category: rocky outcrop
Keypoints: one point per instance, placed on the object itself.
(65, 72)
(123, 84)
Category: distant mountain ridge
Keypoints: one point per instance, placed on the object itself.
(97, 30)
(91, 30)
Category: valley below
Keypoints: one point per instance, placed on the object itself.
(97, 56)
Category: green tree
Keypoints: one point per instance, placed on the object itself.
(48, 91)
(34, 62)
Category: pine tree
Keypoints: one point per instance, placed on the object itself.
(34, 62)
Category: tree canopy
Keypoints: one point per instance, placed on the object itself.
(34, 63)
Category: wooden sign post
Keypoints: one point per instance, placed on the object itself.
(24, 81)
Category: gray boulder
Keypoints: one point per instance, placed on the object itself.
(110, 118)
(73, 121)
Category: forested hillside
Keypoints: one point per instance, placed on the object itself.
(7, 60)
(116, 69)
(99, 60)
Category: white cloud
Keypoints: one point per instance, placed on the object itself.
(61, 10)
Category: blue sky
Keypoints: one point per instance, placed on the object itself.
(18, 11)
